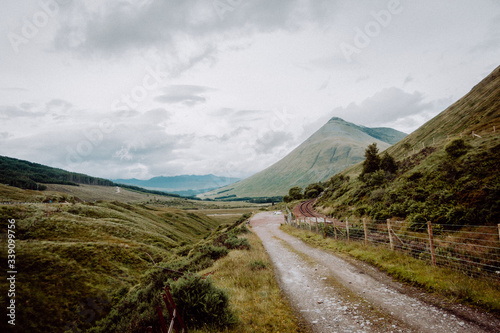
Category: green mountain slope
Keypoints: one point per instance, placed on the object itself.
(334, 147)
(28, 175)
(448, 169)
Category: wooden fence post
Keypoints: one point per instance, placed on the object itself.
(324, 228)
(431, 243)
(390, 233)
(366, 231)
(347, 228)
(335, 229)
(317, 229)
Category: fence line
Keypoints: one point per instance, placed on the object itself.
(473, 250)
(441, 139)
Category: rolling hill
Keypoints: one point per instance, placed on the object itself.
(334, 147)
(447, 169)
(28, 175)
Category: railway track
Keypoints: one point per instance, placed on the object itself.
(306, 209)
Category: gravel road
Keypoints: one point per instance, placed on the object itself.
(335, 295)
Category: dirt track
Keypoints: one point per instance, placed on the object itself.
(333, 295)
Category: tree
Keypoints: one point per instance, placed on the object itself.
(372, 160)
(388, 164)
(313, 190)
(295, 193)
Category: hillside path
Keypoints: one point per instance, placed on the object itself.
(334, 295)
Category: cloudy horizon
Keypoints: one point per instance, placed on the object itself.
(138, 89)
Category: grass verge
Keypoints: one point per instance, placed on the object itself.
(482, 293)
(255, 297)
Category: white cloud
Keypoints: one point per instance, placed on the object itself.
(236, 89)
(390, 105)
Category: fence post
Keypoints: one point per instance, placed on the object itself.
(366, 231)
(390, 234)
(431, 243)
(335, 229)
(347, 228)
(499, 232)
(324, 228)
(310, 226)
(317, 229)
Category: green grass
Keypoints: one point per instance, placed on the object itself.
(67, 254)
(255, 297)
(482, 293)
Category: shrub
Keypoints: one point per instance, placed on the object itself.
(214, 252)
(258, 264)
(388, 164)
(456, 148)
(237, 243)
(418, 222)
(200, 303)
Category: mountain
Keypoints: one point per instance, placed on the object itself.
(184, 184)
(334, 147)
(447, 169)
(476, 112)
(28, 175)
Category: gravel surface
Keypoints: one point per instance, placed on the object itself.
(332, 294)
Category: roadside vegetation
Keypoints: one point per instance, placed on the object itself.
(100, 266)
(479, 292)
(254, 295)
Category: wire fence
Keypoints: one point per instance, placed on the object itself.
(472, 250)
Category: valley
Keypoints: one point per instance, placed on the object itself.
(94, 254)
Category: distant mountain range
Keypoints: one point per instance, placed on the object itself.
(186, 185)
(334, 147)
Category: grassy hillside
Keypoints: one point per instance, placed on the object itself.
(77, 261)
(27, 175)
(446, 174)
(334, 147)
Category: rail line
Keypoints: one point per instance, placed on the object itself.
(306, 209)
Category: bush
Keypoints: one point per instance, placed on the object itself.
(258, 265)
(200, 303)
(214, 252)
(456, 148)
(237, 243)
(418, 222)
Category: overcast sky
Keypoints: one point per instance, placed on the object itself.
(122, 89)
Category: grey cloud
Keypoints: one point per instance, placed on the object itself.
(58, 106)
(13, 89)
(492, 40)
(271, 140)
(184, 94)
(15, 112)
(116, 27)
(408, 79)
(385, 106)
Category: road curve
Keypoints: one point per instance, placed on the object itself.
(333, 295)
